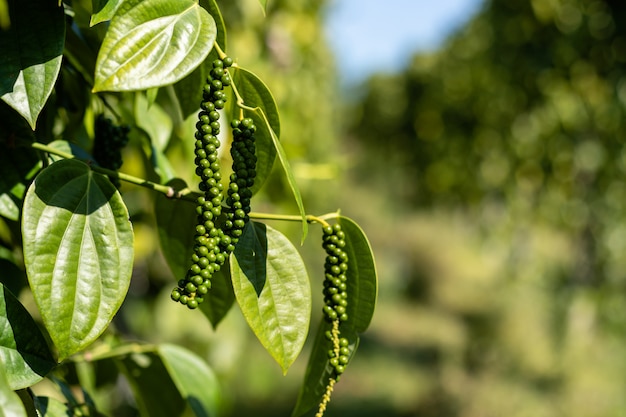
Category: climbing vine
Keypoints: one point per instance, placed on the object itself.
(62, 201)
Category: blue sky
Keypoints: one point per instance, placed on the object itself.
(371, 36)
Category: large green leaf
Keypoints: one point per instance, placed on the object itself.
(10, 403)
(78, 252)
(272, 288)
(195, 381)
(176, 223)
(319, 370)
(24, 354)
(152, 43)
(32, 49)
(188, 91)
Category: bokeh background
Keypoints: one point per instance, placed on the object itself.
(488, 172)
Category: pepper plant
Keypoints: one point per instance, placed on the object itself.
(68, 72)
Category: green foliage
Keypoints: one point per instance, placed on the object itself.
(34, 50)
(23, 349)
(82, 134)
(153, 43)
(272, 288)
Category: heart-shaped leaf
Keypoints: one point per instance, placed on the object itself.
(24, 354)
(152, 43)
(78, 252)
(272, 288)
(32, 49)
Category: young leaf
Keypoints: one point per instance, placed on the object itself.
(255, 94)
(24, 355)
(10, 403)
(176, 223)
(272, 288)
(195, 381)
(103, 10)
(319, 370)
(220, 299)
(78, 252)
(152, 43)
(32, 49)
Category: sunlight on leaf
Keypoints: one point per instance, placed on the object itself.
(78, 252)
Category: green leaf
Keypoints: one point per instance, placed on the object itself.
(32, 49)
(24, 354)
(188, 91)
(78, 252)
(154, 121)
(51, 407)
(153, 43)
(195, 381)
(362, 277)
(176, 222)
(10, 403)
(69, 148)
(219, 300)
(154, 391)
(272, 288)
(255, 94)
(319, 370)
(103, 10)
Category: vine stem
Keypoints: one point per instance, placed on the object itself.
(183, 194)
(170, 192)
(288, 217)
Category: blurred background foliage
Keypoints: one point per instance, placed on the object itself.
(489, 177)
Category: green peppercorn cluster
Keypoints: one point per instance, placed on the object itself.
(208, 256)
(243, 152)
(109, 140)
(339, 356)
(336, 265)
